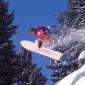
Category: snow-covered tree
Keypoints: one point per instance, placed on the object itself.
(76, 13)
(69, 21)
(75, 16)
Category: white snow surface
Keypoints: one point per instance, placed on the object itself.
(82, 55)
(75, 78)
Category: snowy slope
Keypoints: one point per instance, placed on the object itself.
(75, 78)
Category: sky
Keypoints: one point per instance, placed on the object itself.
(34, 13)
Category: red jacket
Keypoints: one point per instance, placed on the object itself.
(40, 32)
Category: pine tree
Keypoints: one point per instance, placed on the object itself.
(73, 18)
(15, 67)
(7, 52)
(76, 13)
(29, 74)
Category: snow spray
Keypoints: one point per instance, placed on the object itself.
(70, 37)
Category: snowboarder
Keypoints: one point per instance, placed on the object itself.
(43, 33)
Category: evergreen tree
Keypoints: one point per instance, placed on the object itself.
(7, 52)
(73, 18)
(15, 67)
(29, 74)
(76, 13)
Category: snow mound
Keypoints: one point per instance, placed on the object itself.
(75, 78)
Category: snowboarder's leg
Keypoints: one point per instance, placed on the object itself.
(39, 43)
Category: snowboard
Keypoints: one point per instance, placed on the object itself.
(43, 50)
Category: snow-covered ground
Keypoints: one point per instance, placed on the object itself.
(75, 78)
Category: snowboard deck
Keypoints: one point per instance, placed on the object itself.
(43, 51)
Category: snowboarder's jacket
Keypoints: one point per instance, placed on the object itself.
(40, 32)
